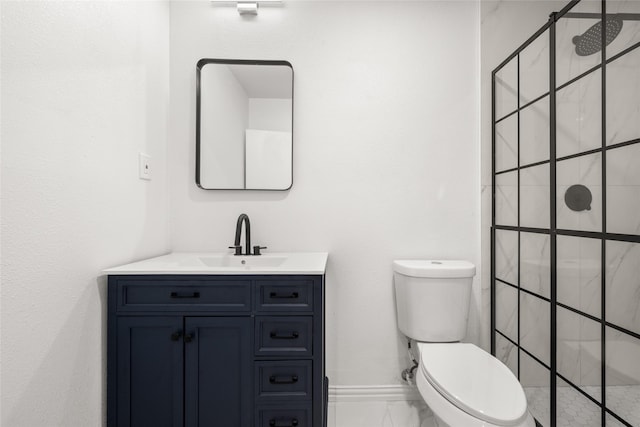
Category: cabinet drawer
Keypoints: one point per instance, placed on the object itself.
(184, 295)
(284, 336)
(288, 380)
(285, 416)
(285, 295)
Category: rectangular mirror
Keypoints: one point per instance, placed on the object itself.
(244, 125)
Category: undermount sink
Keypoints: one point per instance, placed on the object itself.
(243, 261)
(227, 263)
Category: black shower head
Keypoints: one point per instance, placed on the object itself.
(591, 41)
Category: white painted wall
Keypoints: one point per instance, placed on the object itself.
(386, 166)
(84, 89)
(270, 114)
(224, 118)
(268, 159)
(386, 153)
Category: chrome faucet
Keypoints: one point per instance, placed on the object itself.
(244, 218)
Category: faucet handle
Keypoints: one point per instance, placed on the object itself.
(256, 249)
(238, 249)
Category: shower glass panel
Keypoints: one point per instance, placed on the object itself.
(534, 376)
(565, 260)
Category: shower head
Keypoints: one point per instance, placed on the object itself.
(591, 41)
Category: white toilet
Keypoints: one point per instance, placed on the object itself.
(463, 385)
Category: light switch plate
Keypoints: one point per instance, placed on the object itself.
(144, 166)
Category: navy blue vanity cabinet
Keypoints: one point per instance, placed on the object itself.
(150, 374)
(216, 381)
(216, 351)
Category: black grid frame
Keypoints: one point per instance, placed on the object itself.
(553, 231)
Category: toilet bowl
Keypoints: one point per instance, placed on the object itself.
(467, 387)
(462, 384)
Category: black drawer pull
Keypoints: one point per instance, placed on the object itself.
(276, 295)
(189, 337)
(284, 335)
(185, 295)
(176, 336)
(293, 422)
(284, 379)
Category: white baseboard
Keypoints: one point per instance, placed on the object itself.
(373, 393)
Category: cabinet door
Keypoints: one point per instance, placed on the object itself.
(149, 380)
(218, 372)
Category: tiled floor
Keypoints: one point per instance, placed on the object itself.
(625, 402)
(380, 414)
(576, 410)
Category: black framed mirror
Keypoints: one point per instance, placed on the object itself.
(244, 124)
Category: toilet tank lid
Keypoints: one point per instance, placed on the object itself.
(434, 268)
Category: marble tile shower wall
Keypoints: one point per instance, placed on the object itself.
(522, 199)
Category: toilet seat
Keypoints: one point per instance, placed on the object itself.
(474, 381)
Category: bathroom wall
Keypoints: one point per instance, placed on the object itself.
(386, 154)
(505, 25)
(385, 166)
(225, 107)
(85, 87)
(579, 261)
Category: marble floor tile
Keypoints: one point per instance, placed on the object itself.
(534, 69)
(625, 402)
(382, 414)
(507, 353)
(507, 310)
(623, 284)
(535, 273)
(507, 143)
(623, 91)
(534, 197)
(506, 91)
(574, 409)
(535, 326)
(538, 402)
(578, 116)
(534, 132)
(507, 256)
(579, 273)
(506, 196)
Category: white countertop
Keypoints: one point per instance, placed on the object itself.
(226, 263)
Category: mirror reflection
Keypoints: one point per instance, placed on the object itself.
(244, 137)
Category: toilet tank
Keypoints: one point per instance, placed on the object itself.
(432, 298)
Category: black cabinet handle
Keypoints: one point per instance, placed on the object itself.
(277, 295)
(284, 335)
(189, 337)
(284, 379)
(185, 295)
(176, 336)
(293, 422)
